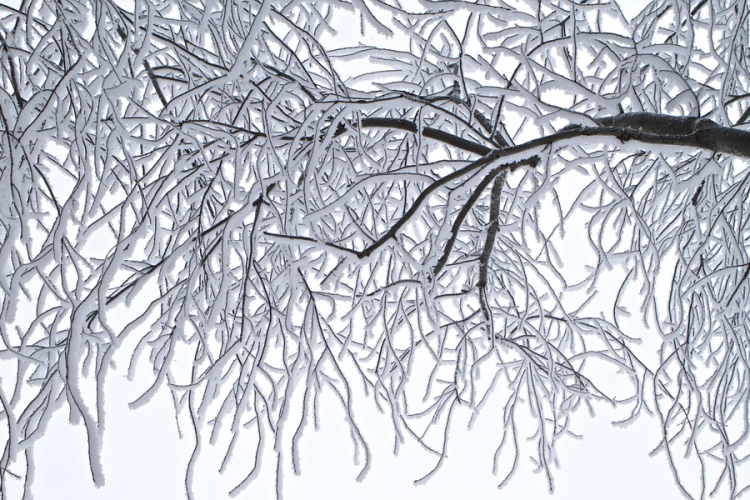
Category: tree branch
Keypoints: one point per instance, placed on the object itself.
(152, 77)
(428, 132)
(460, 219)
(682, 131)
(489, 243)
(649, 128)
(531, 161)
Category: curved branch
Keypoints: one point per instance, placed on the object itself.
(650, 128)
(428, 132)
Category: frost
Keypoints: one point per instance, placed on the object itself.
(267, 207)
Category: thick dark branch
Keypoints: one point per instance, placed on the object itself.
(677, 131)
(531, 161)
(655, 123)
(489, 243)
(428, 132)
(649, 128)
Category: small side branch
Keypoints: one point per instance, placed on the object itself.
(13, 78)
(152, 77)
(489, 243)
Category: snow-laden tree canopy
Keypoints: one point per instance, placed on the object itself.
(452, 203)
